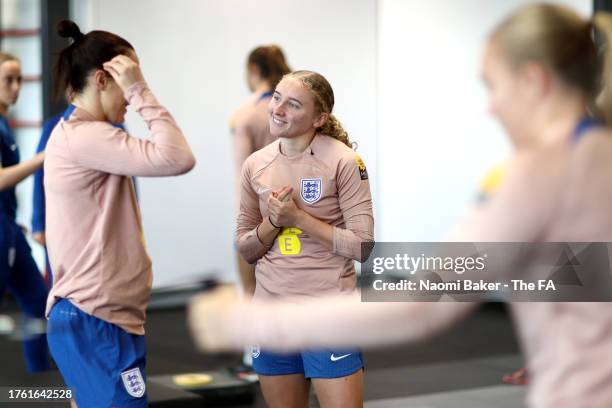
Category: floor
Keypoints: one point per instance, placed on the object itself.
(461, 368)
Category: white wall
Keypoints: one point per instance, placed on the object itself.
(427, 142)
(193, 55)
(435, 140)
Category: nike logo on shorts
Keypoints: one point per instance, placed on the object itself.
(334, 358)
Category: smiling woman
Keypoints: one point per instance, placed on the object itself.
(305, 210)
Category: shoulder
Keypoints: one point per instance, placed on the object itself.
(590, 156)
(331, 150)
(526, 166)
(78, 134)
(262, 157)
(493, 178)
(82, 121)
(536, 176)
(48, 127)
(87, 129)
(339, 150)
(50, 123)
(241, 116)
(594, 140)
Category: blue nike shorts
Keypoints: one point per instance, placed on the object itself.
(322, 363)
(101, 363)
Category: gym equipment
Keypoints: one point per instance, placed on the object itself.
(217, 387)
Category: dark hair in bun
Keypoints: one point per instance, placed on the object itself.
(69, 29)
(86, 53)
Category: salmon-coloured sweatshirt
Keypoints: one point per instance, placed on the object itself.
(93, 227)
(330, 183)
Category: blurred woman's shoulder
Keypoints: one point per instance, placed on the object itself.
(243, 113)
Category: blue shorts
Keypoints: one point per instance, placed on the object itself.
(322, 363)
(102, 363)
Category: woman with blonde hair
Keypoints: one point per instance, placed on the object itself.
(305, 210)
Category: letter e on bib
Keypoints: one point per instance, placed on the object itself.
(288, 241)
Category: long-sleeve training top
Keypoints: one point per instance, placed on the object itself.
(330, 183)
(94, 230)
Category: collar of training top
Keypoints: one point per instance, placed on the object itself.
(263, 96)
(312, 147)
(68, 112)
(585, 124)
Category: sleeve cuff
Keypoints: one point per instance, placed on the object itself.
(135, 89)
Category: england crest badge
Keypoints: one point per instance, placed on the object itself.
(311, 190)
(133, 382)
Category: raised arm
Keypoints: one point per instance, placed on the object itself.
(219, 323)
(112, 150)
(106, 148)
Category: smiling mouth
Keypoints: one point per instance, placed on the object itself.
(278, 121)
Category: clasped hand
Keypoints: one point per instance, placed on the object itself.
(283, 210)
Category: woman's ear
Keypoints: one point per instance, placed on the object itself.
(320, 121)
(100, 80)
(536, 78)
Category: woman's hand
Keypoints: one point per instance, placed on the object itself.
(282, 208)
(39, 237)
(124, 70)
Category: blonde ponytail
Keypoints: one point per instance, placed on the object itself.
(333, 128)
(556, 37)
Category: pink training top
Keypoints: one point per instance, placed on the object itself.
(94, 231)
(250, 131)
(561, 192)
(330, 183)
